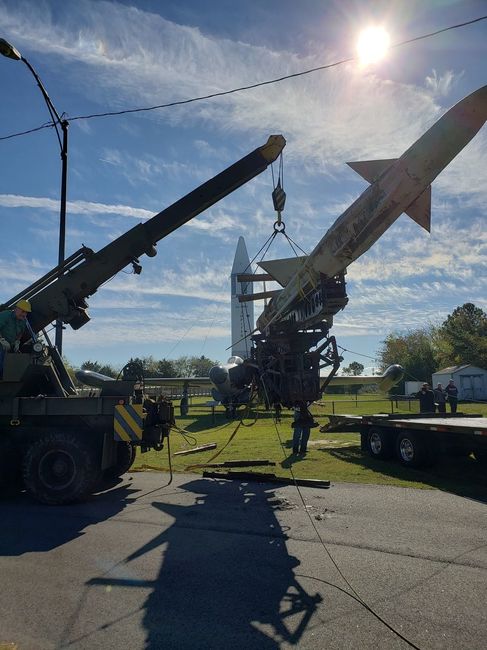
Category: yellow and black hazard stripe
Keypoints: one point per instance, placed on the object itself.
(128, 422)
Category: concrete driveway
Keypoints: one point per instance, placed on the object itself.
(206, 563)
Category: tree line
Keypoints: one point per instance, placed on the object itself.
(460, 339)
(183, 367)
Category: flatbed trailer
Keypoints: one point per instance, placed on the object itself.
(417, 440)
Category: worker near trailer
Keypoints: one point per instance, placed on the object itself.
(426, 399)
(440, 398)
(13, 324)
(452, 394)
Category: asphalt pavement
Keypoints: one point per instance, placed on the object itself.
(204, 563)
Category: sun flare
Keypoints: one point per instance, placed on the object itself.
(372, 45)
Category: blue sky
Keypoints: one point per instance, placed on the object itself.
(95, 56)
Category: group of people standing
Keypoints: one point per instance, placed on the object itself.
(431, 401)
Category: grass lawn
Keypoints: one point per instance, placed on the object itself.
(331, 456)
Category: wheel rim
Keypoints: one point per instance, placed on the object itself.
(375, 443)
(406, 449)
(57, 469)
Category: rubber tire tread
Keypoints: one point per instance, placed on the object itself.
(421, 457)
(87, 467)
(387, 450)
(125, 459)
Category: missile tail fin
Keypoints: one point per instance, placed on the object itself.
(283, 270)
(371, 169)
(420, 209)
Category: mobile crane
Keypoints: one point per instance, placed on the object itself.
(62, 442)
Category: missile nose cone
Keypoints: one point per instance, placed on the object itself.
(218, 375)
(391, 377)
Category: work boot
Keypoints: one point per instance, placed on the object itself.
(295, 450)
(302, 450)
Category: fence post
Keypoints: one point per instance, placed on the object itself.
(392, 406)
(333, 407)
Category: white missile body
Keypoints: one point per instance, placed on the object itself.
(242, 313)
(397, 186)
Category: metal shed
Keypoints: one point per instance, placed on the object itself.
(470, 380)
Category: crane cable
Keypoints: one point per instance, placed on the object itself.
(354, 593)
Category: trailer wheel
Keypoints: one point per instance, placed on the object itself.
(379, 443)
(412, 450)
(125, 459)
(60, 468)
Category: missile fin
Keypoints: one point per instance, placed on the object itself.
(420, 209)
(283, 270)
(371, 169)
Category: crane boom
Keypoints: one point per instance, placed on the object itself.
(61, 293)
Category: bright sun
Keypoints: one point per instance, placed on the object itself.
(372, 45)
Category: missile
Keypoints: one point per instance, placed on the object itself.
(242, 318)
(397, 186)
(231, 380)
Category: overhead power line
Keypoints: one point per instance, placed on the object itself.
(242, 88)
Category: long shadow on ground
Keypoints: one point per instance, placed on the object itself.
(463, 476)
(226, 573)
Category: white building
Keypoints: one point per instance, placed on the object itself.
(471, 381)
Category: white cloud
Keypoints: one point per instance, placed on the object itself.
(73, 207)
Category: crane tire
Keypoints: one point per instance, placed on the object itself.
(61, 468)
(125, 459)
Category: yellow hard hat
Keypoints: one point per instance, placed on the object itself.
(24, 305)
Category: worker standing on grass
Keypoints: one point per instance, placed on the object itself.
(452, 392)
(303, 422)
(12, 326)
(440, 398)
(426, 399)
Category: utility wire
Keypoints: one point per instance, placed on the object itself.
(249, 87)
(270, 81)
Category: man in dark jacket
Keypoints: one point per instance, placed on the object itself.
(440, 398)
(452, 393)
(426, 399)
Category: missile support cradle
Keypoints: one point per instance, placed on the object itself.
(60, 444)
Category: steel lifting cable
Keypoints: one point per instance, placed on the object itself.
(354, 593)
(201, 465)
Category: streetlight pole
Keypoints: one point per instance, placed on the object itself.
(11, 52)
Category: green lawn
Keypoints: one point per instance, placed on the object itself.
(331, 456)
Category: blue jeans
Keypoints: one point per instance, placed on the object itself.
(301, 437)
(2, 358)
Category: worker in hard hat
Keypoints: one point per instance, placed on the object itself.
(12, 326)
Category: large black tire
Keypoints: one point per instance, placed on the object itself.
(412, 450)
(125, 460)
(61, 468)
(379, 443)
(10, 473)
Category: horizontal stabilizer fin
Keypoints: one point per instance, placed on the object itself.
(420, 209)
(248, 297)
(371, 169)
(283, 270)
